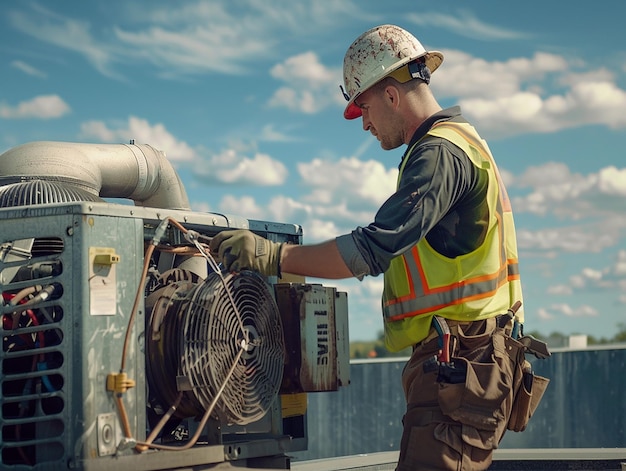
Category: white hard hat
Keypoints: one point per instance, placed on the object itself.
(376, 54)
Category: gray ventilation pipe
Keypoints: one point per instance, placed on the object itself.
(135, 171)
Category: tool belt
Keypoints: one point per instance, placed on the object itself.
(485, 381)
(528, 387)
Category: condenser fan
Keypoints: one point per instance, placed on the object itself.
(37, 191)
(201, 331)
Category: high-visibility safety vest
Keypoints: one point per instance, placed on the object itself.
(478, 285)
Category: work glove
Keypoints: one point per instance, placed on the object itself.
(243, 250)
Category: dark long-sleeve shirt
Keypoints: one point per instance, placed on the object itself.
(441, 196)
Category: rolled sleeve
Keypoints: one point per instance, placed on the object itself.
(352, 257)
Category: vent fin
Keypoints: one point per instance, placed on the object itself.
(31, 192)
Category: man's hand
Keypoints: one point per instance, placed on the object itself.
(243, 250)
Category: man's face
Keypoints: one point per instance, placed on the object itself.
(380, 117)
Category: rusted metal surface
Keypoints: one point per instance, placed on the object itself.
(314, 319)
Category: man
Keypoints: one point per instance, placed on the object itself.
(446, 244)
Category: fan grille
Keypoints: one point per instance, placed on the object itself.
(212, 322)
(213, 336)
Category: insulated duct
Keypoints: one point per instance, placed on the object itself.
(135, 171)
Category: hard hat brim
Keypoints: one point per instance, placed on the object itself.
(352, 111)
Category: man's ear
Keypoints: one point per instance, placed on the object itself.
(392, 95)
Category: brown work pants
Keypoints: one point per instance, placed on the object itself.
(457, 426)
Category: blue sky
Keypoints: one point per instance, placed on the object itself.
(243, 96)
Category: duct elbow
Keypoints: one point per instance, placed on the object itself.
(61, 162)
(158, 186)
(137, 172)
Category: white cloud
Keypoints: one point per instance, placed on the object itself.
(585, 277)
(569, 311)
(311, 87)
(320, 222)
(245, 205)
(28, 69)
(196, 48)
(556, 190)
(361, 183)
(142, 132)
(510, 97)
(464, 75)
(560, 290)
(466, 24)
(225, 36)
(295, 100)
(190, 38)
(66, 33)
(543, 314)
(99, 130)
(283, 209)
(524, 111)
(234, 168)
(39, 107)
(611, 278)
(612, 181)
(304, 68)
(269, 133)
(201, 206)
(572, 78)
(546, 174)
(317, 230)
(573, 239)
(619, 269)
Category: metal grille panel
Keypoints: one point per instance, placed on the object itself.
(32, 351)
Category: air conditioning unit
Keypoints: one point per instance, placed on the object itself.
(125, 346)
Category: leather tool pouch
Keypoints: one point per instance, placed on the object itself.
(481, 399)
(489, 387)
(528, 393)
